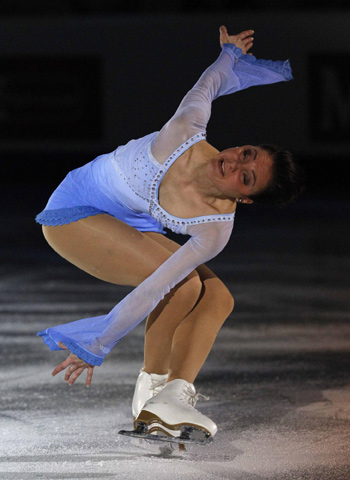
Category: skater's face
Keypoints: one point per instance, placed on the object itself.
(241, 171)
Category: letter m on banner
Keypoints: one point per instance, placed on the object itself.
(329, 84)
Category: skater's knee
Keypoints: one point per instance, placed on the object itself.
(219, 294)
(189, 290)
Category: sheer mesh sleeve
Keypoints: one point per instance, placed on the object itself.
(231, 72)
(93, 338)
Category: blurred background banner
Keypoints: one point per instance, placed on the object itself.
(75, 86)
(50, 98)
(330, 98)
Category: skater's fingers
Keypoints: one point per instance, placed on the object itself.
(90, 372)
(74, 363)
(75, 375)
(248, 41)
(248, 46)
(245, 34)
(224, 38)
(245, 44)
(70, 370)
(62, 366)
(57, 370)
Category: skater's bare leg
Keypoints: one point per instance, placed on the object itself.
(194, 337)
(182, 350)
(163, 322)
(107, 248)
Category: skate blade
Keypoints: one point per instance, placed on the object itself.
(153, 443)
(164, 449)
(186, 438)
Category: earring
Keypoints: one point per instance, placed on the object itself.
(239, 200)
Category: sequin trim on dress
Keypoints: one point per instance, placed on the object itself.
(177, 224)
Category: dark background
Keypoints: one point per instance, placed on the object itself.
(79, 78)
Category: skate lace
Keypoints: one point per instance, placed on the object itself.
(193, 397)
(157, 385)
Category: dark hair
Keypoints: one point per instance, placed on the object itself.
(287, 178)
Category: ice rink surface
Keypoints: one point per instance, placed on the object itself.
(277, 378)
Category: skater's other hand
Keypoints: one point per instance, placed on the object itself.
(75, 367)
(243, 40)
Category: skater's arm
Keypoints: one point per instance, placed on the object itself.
(234, 70)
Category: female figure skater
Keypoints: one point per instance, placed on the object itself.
(107, 218)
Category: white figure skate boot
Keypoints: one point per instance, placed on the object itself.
(147, 385)
(172, 413)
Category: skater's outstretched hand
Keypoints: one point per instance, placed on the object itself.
(76, 366)
(243, 40)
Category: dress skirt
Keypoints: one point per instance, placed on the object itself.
(79, 196)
